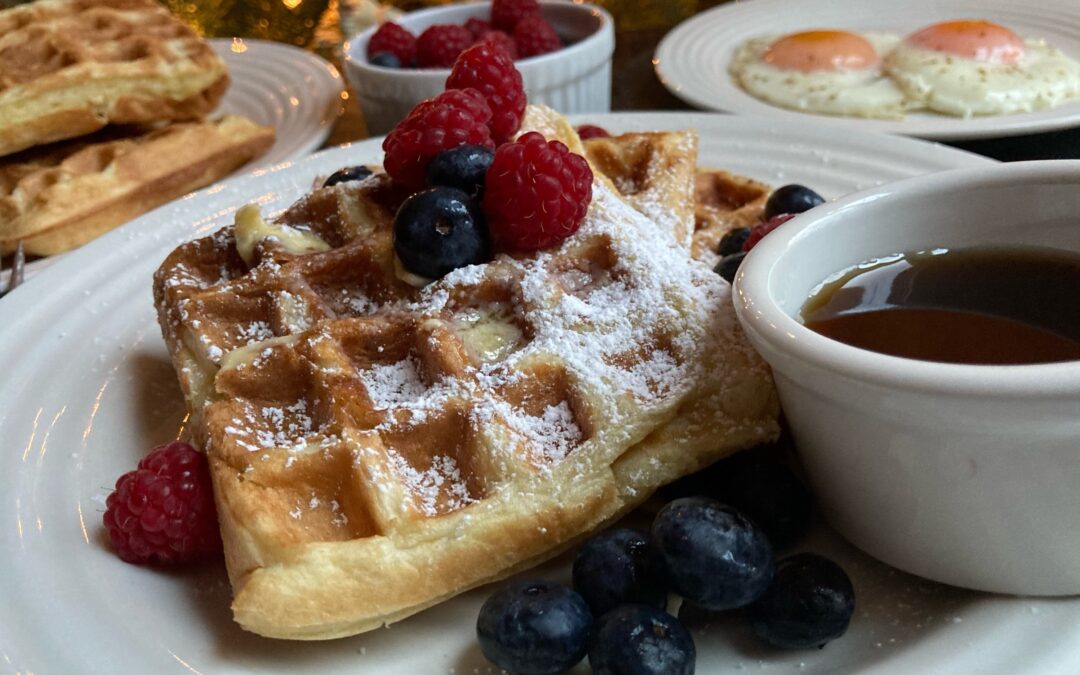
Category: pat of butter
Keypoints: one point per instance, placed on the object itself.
(244, 356)
(250, 229)
(486, 335)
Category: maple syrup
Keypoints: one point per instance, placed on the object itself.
(975, 306)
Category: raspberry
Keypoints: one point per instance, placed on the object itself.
(454, 117)
(505, 14)
(163, 512)
(535, 36)
(394, 39)
(438, 46)
(537, 193)
(759, 231)
(487, 68)
(500, 38)
(587, 131)
(477, 27)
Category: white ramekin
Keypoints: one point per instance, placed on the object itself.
(575, 79)
(969, 475)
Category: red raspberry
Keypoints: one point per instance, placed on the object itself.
(587, 131)
(454, 117)
(505, 14)
(535, 36)
(500, 38)
(487, 68)
(438, 46)
(759, 231)
(163, 512)
(394, 39)
(537, 193)
(477, 27)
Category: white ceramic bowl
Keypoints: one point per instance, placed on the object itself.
(575, 79)
(964, 474)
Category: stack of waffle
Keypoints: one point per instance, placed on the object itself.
(103, 108)
(377, 448)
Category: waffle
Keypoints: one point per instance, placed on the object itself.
(720, 200)
(60, 196)
(69, 67)
(378, 447)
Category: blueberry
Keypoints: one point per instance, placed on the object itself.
(712, 555)
(347, 174)
(534, 627)
(439, 230)
(617, 567)
(385, 60)
(791, 199)
(729, 265)
(641, 640)
(809, 603)
(463, 167)
(732, 241)
(763, 489)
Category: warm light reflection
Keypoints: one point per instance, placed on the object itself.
(33, 433)
(45, 440)
(82, 524)
(183, 426)
(38, 523)
(292, 4)
(18, 518)
(344, 96)
(184, 663)
(293, 101)
(93, 412)
(238, 46)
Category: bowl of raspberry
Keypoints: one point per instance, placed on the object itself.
(562, 49)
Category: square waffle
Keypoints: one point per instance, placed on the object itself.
(56, 197)
(717, 201)
(69, 67)
(378, 447)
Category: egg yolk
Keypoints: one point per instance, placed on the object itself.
(821, 50)
(976, 40)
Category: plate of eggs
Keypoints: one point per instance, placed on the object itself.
(936, 69)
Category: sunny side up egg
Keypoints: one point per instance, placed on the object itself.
(970, 68)
(828, 72)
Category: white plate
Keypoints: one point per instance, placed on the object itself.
(296, 92)
(89, 389)
(692, 60)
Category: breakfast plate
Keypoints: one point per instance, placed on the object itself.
(296, 92)
(692, 60)
(91, 389)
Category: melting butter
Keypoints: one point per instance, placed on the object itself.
(487, 334)
(250, 229)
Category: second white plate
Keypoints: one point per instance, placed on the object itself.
(692, 60)
(296, 92)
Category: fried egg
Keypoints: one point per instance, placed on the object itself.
(969, 67)
(829, 72)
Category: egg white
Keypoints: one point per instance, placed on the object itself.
(856, 93)
(1043, 78)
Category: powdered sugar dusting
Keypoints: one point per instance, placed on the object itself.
(393, 385)
(425, 486)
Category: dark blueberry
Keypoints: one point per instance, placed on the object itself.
(791, 199)
(439, 230)
(534, 627)
(762, 488)
(385, 60)
(463, 167)
(729, 265)
(347, 174)
(732, 242)
(641, 640)
(618, 567)
(809, 603)
(712, 555)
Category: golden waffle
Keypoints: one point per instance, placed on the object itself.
(69, 67)
(54, 198)
(720, 200)
(377, 448)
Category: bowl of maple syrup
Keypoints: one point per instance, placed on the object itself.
(925, 341)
